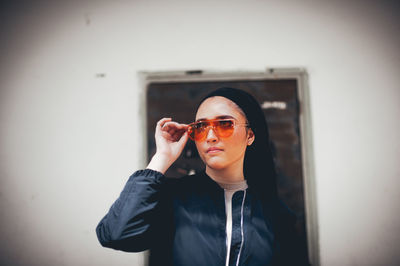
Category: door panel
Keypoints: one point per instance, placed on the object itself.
(279, 101)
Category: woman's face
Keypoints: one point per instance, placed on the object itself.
(221, 153)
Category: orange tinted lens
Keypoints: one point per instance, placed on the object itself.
(224, 128)
(197, 131)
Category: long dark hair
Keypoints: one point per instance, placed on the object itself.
(259, 171)
(259, 167)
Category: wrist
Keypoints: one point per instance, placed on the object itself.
(160, 163)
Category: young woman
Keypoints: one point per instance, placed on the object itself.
(229, 214)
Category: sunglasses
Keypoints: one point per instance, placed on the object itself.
(223, 128)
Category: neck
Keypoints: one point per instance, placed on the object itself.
(231, 174)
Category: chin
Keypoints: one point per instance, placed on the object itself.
(215, 163)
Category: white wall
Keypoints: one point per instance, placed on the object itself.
(69, 139)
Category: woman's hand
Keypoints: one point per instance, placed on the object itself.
(171, 138)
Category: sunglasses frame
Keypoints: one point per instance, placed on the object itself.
(214, 126)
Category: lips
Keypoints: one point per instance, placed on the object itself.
(214, 150)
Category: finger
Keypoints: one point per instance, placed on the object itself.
(182, 126)
(176, 135)
(168, 136)
(171, 127)
(169, 130)
(180, 134)
(184, 138)
(162, 121)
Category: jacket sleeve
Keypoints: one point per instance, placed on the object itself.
(129, 224)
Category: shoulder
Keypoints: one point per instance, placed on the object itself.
(158, 177)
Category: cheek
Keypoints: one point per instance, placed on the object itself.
(200, 148)
(237, 148)
(238, 141)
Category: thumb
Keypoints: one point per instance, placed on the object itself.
(184, 138)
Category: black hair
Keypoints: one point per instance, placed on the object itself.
(259, 167)
(259, 171)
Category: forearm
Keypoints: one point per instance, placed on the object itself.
(128, 224)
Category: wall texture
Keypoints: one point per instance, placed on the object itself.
(69, 109)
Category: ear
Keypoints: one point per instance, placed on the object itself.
(250, 137)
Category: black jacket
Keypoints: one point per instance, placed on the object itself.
(182, 222)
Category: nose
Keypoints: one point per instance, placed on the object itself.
(211, 136)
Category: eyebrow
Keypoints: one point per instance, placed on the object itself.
(217, 117)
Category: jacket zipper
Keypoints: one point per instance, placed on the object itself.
(241, 228)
